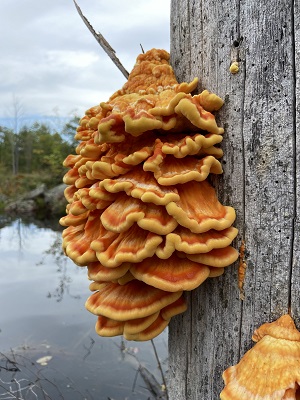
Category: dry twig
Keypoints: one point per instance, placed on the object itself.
(103, 43)
(160, 368)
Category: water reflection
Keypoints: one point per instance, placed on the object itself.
(56, 253)
(44, 316)
(29, 221)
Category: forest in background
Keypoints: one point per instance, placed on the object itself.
(32, 156)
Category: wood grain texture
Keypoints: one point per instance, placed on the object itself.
(261, 178)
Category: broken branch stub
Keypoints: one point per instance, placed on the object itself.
(103, 43)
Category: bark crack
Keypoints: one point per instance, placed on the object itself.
(189, 34)
(294, 118)
(243, 232)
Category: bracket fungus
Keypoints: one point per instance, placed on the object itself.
(271, 369)
(141, 214)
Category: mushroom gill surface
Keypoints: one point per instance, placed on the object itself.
(141, 214)
(269, 370)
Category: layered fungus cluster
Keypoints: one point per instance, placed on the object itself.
(141, 214)
(271, 369)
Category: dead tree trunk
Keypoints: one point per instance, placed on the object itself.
(261, 178)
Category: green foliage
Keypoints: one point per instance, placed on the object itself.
(34, 155)
(69, 130)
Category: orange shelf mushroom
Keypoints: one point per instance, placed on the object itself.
(141, 213)
(271, 369)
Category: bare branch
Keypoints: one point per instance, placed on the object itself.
(103, 43)
(160, 368)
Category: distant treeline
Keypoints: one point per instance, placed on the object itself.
(36, 151)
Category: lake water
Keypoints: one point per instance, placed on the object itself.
(49, 349)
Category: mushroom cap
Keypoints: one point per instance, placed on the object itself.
(108, 327)
(133, 245)
(99, 193)
(283, 328)
(199, 209)
(210, 101)
(77, 246)
(97, 272)
(149, 333)
(89, 149)
(135, 326)
(77, 175)
(122, 214)
(77, 208)
(69, 193)
(93, 203)
(267, 370)
(71, 177)
(191, 108)
(179, 306)
(119, 158)
(174, 274)
(182, 239)
(125, 211)
(216, 257)
(270, 370)
(74, 220)
(181, 145)
(141, 185)
(215, 272)
(125, 278)
(77, 240)
(169, 170)
(130, 301)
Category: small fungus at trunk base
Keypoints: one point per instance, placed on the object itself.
(271, 369)
(141, 214)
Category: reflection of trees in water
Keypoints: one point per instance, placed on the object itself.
(20, 233)
(5, 219)
(63, 287)
(56, 253)
(24, 226)
(29, 221)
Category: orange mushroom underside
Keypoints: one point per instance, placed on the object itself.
(269, 370)
(141, 213)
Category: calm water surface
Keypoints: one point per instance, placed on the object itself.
(43, 318)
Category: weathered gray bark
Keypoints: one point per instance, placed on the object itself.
(261, 178)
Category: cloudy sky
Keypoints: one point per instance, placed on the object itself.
(50, 63)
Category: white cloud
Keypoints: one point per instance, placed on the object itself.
(69, 59)
(51, 61)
